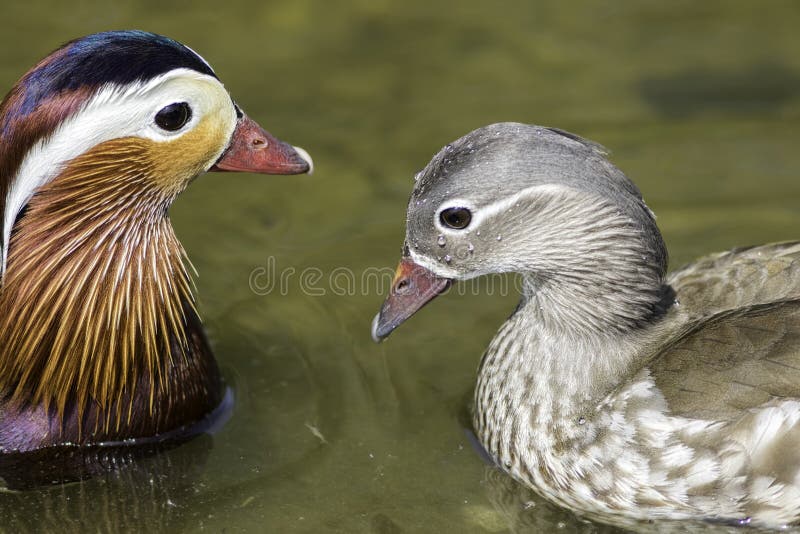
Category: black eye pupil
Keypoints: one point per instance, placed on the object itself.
(457, 218)
(174, 117)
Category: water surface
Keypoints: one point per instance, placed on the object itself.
(698, 101)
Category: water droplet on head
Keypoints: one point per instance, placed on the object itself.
(448, 148)
(441, 241)
(470, 248)
(499, 238)
(448, 258)
(478, 232)
(581, 420)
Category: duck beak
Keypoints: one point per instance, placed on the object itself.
(412, 288)
(253, 149)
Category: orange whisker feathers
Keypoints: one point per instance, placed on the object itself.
(94, 295)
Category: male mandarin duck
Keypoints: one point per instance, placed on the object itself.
(614, 389)
(99, 337)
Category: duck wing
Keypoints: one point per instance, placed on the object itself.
(739, 344)
(738, 278)
(732, 362)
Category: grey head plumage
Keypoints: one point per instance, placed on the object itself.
(548, 204)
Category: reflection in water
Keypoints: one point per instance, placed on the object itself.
(64, 464)
(144, 488)
(525, 512)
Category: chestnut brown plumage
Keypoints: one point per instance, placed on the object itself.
(114, 294)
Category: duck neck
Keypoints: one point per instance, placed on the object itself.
(561, 352)
(98, 328)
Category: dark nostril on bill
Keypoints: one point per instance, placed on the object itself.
(402, 286)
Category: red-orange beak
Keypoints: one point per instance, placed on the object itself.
(412, 288)
(253, 149)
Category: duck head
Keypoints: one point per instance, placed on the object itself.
(99, 337)
(533, 200)
(128, 90)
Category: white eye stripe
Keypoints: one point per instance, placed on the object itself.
(506, 203)
(113, 112)
(481, 214)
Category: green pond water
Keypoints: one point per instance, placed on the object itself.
(698, 101)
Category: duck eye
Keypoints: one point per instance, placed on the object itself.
(174, 117)
(457, 218)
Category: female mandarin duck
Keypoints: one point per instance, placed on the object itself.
(99, 337)
(614, 390)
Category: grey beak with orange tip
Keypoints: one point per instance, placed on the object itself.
(253, 149)
(412, 288)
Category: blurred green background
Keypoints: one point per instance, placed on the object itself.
(698, 101)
